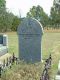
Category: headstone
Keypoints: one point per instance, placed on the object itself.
(1, 39)
(3, 44)
(5, 40)
(30, 39)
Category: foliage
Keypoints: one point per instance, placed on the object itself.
(2, 11)
(55, 15)
(39, 14)
(15, 23)
(8, 21)
(2, 4)
(53, 20)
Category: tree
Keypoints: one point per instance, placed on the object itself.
(2, 13)
(55, 14)
(6, 18)
(39, 14)
(2, 5)
(15, 23)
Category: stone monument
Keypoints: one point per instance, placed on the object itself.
(30, 39)
(3, 44)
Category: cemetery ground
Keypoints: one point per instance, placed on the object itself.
(23, 71)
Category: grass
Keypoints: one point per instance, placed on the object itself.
(13, 42)
(51, 44)
(23, 71)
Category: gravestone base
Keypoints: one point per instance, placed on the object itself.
(30, 60)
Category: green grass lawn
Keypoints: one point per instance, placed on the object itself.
(50, 44)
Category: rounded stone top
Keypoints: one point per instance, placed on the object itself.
(30, 26)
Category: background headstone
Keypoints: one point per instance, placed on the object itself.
(5, 40)
(30, 36)
(1, 39)
(3, 44)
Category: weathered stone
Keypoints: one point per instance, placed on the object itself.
(30, 36)
(3, 44)
(5, 40)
